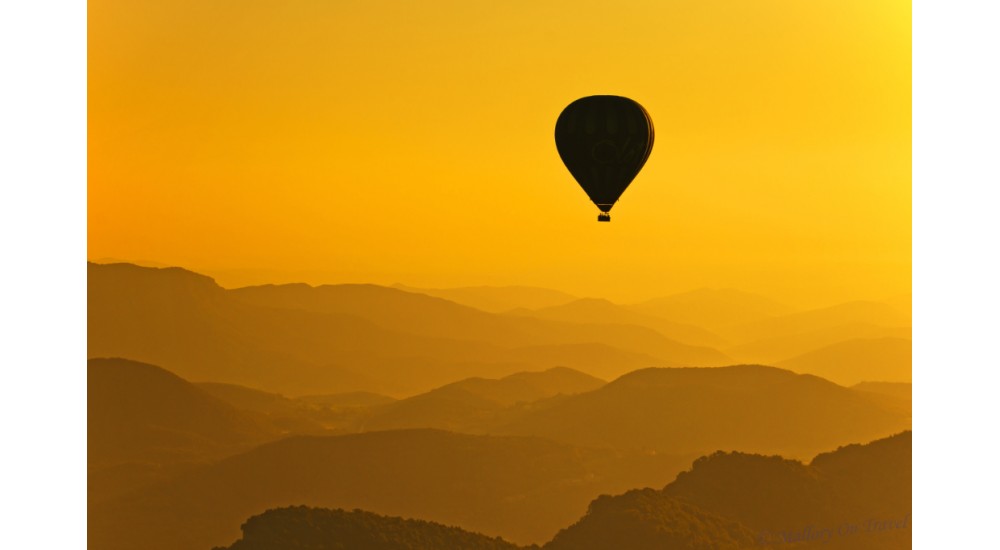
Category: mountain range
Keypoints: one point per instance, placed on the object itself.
(857, 497)
(353, 415)
(558, 439)
(496, 299)
(301, 339)
(519, 487)
(855, 361)
(747, 407)
(145, 423)
(302, 527)
(298, 339)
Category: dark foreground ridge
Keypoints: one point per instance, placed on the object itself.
(857, 497)
(301, 527)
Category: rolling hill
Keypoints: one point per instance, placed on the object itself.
(690, 410)
(302, 528)
(773, 350)
(854, 361)
(713, 309)
(644, 519)
(282, 414)
(600, 360)
(296, 339)
(593, 310)
(430, 317)
(478, 405)
(144, 423)
(523, 489)
(526, 386)
(496, 299)
(186, 323)
(858, 313)
(858, 496)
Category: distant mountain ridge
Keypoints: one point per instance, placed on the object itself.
(280, 413)
(522, 488)
(283, 403)
(748, 407)
(858, 312)
(126, 399)
(855, 361)
(526, 386)
(857, 497)
(713, 309)
(774, 349)
(496, 299)
(478, 405)
(595, 310)
(144, 422)
(760, 330)
(438, 318)
(300, 339)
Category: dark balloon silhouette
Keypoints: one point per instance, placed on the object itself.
(604, 140)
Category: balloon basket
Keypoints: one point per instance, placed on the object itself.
(604, 217)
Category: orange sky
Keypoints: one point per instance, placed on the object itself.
(376, 141)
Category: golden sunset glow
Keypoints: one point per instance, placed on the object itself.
(412, 142)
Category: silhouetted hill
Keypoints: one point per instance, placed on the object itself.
(854, 361)
(873, 478)
(713, 309)
(594, 310)
(144, 422)
(304, 528)
(773, 350)
(496, 299)
(787, 493)
(858, 496)
(747, 407)
(643, 519)
(478, 405)
(298, 339)
(524, 489)
(853, 484)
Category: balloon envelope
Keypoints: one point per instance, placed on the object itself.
(604, 141)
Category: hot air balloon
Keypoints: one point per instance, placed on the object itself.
(604, 140)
